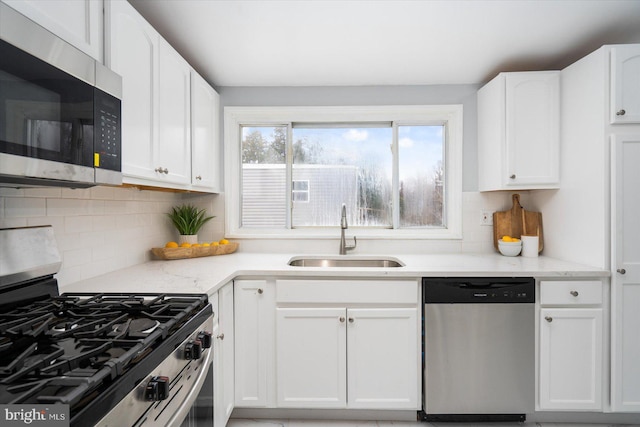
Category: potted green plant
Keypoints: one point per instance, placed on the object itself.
(188, 220)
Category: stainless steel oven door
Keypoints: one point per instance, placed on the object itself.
(185, 377)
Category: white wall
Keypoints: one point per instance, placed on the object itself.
(576, 216)
(102, 229)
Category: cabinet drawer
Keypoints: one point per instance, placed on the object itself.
(565, 292)
(347, 291)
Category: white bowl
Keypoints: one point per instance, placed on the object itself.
(509, 248)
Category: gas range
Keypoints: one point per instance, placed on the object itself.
(114, 359)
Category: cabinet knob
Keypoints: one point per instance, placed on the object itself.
(574, 293)
(260, 291)
(512, 176)
(221, 336)
(621, 113)
(159, 170)
(199, 178)
(548, 319)
(341, 319)
(621, 271)
(165, 170)
(351, 320)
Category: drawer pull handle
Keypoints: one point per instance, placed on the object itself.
(220, 337)
(341, 319)
(512, 176)
(574, 293)
(260, 291)
(351, 320)
(621, 271)
(621, 113)
(548, 319)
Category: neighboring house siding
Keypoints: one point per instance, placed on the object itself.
(264, 195)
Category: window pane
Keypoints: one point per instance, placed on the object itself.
(264, 187)
(350, 165)
(421, 173)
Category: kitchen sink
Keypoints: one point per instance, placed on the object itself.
(345, 261)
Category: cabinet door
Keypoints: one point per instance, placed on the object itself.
(571, 359)
(625, 84)
(205, 135)
(132, 52)
(625, 279)
(532, 128)
(311, 357)
(254, 342)
(78, 22)
(383, 358)
(224, 353)
(174, 106)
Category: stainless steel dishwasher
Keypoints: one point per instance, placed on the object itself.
(479, 348)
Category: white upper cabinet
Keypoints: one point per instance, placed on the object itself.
(519, 131)
(625, 84)
(205, 135)
(78, 22)
(166, 110)
(132, 52)
(174, 125)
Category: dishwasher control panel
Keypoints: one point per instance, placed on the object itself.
(478, 290)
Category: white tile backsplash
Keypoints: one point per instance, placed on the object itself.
(97, 230)
(102, 229)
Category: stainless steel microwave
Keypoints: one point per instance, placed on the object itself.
(60, 111)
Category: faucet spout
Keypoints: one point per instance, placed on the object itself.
(343, 226)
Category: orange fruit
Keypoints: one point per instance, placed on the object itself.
(171, 245)
(215, 244)
(196, 245)
(206, 244)
(185, 245)
(224, 241)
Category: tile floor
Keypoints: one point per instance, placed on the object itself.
(310, 423)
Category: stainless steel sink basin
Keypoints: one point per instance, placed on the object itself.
(345, 262)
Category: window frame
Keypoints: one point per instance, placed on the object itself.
(404, 115)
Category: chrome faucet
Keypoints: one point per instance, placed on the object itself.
(343, 226)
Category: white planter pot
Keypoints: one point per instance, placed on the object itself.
(188, 238)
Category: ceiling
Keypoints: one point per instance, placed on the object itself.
(385, 42)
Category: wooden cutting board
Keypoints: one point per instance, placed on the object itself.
(516, 222)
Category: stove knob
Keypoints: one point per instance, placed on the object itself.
(205, 338)
(193, 350)
(157, 389)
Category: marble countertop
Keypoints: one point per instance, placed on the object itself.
(208, 274)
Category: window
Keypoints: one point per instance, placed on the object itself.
(397, 170)
(300, 191)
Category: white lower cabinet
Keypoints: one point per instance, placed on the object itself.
(254, 343)
(223, 359)
(571, 348)
(311, 354)
(625, 260)
(348, 344)
(382, 355)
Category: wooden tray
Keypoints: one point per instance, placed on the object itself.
(198, 251)
(516, 222)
